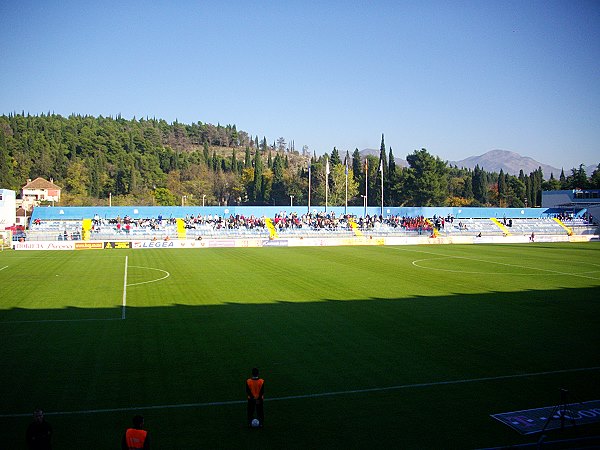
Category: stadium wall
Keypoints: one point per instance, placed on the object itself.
(292, 242)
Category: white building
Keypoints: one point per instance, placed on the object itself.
(39, 190)
(8, 209)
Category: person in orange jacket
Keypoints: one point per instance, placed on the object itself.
(136, 437)
(255, 391)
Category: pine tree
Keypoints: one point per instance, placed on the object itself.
(6, 172)
(334, 160)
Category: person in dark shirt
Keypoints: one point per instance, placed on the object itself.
(39, 432)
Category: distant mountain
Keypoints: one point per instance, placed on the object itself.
(509, 162)
(375, 152)
(493, 161)
(589, 170)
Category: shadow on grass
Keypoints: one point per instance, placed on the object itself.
(423, 371)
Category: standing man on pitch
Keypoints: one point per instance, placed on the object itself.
(39, 432)
(136, 437)
(255, 391)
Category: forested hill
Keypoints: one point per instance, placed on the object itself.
(150, 161)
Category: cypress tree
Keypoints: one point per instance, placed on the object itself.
(382, 157)
(207, 160)
(257, 193)
(233, 162)
(356, 163)
(247, 158)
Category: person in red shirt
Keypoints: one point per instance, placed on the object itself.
(136, 437)
(255, 391)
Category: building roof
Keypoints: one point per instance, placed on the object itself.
(40, 183)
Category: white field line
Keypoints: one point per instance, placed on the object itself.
(123, 304)
(123, 307)
(151, 281)
(555, 272)
(59, 320)
(442, 269)
(307, 396)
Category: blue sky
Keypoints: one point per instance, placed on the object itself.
(457, 78)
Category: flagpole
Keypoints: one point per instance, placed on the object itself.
(381, 170)
(366, 185)
(309, 186)
(346, 203)
(326, 182)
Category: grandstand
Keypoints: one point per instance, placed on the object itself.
(164, 223)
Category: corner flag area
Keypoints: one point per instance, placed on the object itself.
(536, 420)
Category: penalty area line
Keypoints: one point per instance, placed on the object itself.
(306, 396)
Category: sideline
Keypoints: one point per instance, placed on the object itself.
(305, 396)
(59, 320)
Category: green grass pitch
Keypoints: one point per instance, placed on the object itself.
(360, 347)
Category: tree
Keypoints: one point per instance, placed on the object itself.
(578, 178)
(164, 197)
(6, 169)
(335, 157)
(390, 179)
(337, 192)
(501, 189)
(562, 179)
(281, 144)
(278, 193)
(356, 162)
(595, 178)
(370, 177)
(247, 158)
(233, 162)
(515, 192)
(480, 185)
(382, 157)
(552, 184)
(257, 186)
(427, 179)
(468, 187)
